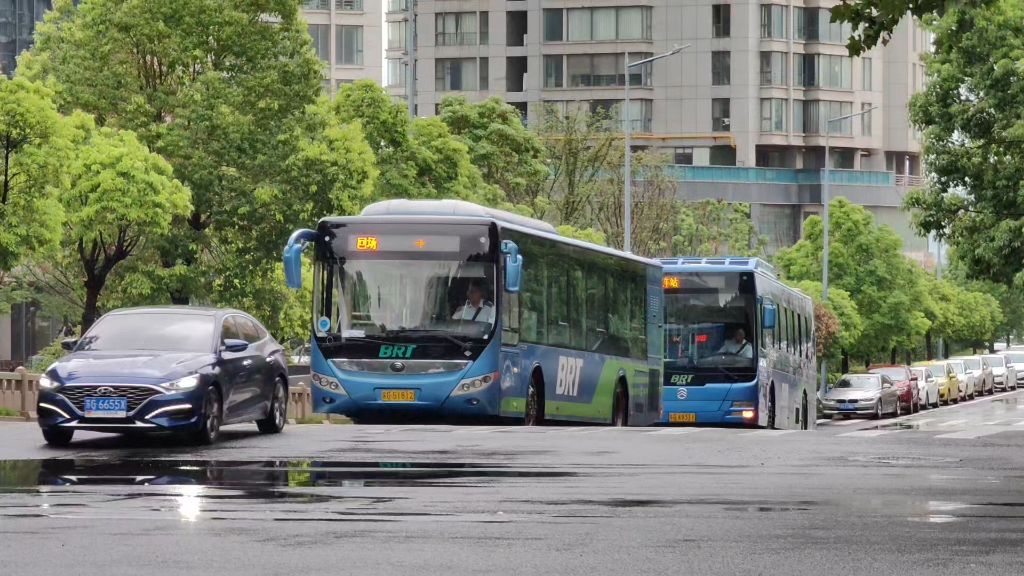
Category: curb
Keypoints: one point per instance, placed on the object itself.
(16, 419)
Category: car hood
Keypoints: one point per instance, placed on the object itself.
(145, 367)
(850, 393)
(999, 371)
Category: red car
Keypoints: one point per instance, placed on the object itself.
(905, 382)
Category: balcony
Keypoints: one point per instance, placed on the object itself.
(455, 39)
(348, 5)
(779, 175)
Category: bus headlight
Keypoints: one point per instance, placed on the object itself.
(743, 405)
(474, 384)
(328, 383)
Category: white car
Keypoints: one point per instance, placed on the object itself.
(1004, 374)
(1016, 359)
(928, 385)
(968, 380)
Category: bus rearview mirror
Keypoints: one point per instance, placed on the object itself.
(513, 266)
(292, 257)
(768, 317)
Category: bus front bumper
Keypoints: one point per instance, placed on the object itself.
(355, 398)
(724, 412)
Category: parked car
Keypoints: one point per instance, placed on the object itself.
(905, 382)
(1004, 374)
(1016, 358)
(175, 369)
(984, 382)
(929, 385)
(967, 380)
(946, 379)
(872, 395)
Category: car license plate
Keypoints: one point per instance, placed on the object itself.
(682, 417)
(847, 407)
(106, 407)
(398, 395)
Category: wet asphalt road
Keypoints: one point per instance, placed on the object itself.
(941, 492)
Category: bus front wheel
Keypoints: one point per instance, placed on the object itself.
(771, 408)
(534, 414)
(620, 406)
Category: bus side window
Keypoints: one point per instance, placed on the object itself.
(577, 305)
(799, 334)
(597, 304)
(509, 319)
(760, 325)
(809, 335)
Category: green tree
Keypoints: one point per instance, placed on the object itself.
(971, 112)
(210, 86)
(866, 261)
(121, 196)
(873, 21)
(653, 202)
(30, 171)
(508, 155)
(713, 227)
(837, 322)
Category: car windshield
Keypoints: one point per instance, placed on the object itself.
(938, 370)
(921, 373)
(151, 331)
(860, 382)
(894, 373)
(958, 367)
(1015, 357)
(972, 363)
(995, 361)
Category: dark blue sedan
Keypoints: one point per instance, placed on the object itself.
(175, 369)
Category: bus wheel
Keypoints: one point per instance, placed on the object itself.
(771, 408)
(620, 406)
(534, 415)
(805, 423)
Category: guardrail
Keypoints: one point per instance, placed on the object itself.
(18, 392)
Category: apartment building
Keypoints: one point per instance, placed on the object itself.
(347, 36)
(743, 110)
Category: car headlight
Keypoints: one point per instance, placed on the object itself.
(47, 384)
(474, 384)
(328, 383)
(186, 383)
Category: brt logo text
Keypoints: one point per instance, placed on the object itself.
(396, 351)
(569, 370)
(681, 379)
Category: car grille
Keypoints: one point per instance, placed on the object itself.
(136, 395)
(840, 401)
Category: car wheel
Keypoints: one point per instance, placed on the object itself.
(899, 409)
(878, 410)
(274, 422)
(211, 418)
(58, 436)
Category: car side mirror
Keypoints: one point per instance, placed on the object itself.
(914, 378)
(886, 386)
(69, 344)
(233, 345)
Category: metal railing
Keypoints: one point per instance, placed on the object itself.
(316, 4)
(755, 175)
(348, 5)
(903, 180)
(455, 39)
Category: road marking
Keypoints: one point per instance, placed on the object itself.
(866, 433)
(768, 433)
(992, 423)
(822, 420)
(474, 430)
(848, 422)
(953, 423)
(1021, 423)
(675, 431)
(974, 433)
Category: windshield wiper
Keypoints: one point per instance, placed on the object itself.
(424, 332)
(342, 339)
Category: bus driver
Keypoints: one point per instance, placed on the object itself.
(738, 346)
(475, 308)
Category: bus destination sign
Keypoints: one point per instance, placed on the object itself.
(403, 243)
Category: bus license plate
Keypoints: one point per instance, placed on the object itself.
(106, 407)
(398, 395)
(682, 417)
(847, 407)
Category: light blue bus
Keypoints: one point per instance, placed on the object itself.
(739, 345)
(444, 309)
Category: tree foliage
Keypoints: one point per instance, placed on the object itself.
(837, 322)
(653, 204)
(874, 21)
(714, 227)
(972, 116)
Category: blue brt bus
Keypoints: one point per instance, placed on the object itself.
(443, 308)
(739, 345)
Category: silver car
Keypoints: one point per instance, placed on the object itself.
(862, 395)
(984, 383)
(1016, 359)
(968, 381)
(1004, 374)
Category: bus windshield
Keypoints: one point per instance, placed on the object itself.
(709, 320)
(413, 285)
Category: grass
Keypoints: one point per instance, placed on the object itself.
(8, 413)
(319, 418)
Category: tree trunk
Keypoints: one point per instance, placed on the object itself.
(91, 312)
(867, 363)
(974, 348)
(907, 357)
(179, 298)
(846, 362)
(892, 356)
(928, 345)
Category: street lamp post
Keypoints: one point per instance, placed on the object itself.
(627, 243)
(824, 221)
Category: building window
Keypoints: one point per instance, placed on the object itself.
(719, 68)
(484, 73)
(553, 72)
(773, 115)
(456, 74)
(817, 114)
(866, 74)
(398, 5)
(603, 70)
(398, 35)
(396, 72)
(348, 5)
(720, 115)
(824, 71)
(721, 21)
(320, 33)
(773, 69)
(604, 24)
(639, 114)
(865, 119)
(553, 25)
(814, 25)
(485, 26)
(773, 21)
(316, 4)
(798, 116)
(349, 41)
(722, 156)
(683, 156)
(456, 29)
